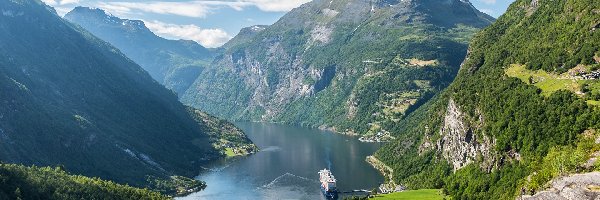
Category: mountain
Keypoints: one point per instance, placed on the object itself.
(245, 35)
(352, 66)
(68, 98)
(522, 111)
(174, 63)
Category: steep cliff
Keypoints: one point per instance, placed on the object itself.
(522, 110)
(354, 66)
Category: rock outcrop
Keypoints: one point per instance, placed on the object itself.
(460, 144)
(573, 187)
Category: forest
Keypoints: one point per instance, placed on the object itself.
(20, 182)
(540, 129)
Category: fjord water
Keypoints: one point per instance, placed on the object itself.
(287, 165)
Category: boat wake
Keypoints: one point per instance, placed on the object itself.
(328, 157)
(216, 169)
(287, 178)
(271, 148)
(290, 186)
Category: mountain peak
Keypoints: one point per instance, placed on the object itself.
(443, 13)
(97, 11)
(99, 16)
(257, 28)
(92, 13)
(171, 62)
(245, 34)
(252, 29)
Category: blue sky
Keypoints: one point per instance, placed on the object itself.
(495, 8)
(212, 22)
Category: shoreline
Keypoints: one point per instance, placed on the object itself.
(389, 186)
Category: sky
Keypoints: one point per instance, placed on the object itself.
(211, 22)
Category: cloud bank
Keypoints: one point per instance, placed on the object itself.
(488, 1)
(60, 2)
(197, 9)
(277, 5)
(206, 37)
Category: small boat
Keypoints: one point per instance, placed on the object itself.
(328, 184)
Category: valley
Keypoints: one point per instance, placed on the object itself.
(278, 171)
(400, 99)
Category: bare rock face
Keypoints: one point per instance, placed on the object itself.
(321, 33)
(271, 98)
(459, 144)
(574, 187)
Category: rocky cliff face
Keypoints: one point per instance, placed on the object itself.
(573, 187)
(459, 144)
(459, 141)
(351, 65)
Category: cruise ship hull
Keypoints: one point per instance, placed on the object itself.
(329, 194)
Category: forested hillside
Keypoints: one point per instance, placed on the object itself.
(352, 66)
(522, 110)
(19, 182)
(174, 63)
(68, 98)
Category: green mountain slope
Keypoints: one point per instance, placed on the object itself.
(19, 182)
(174, 63)
(244, 36)
(520, 112)
(354, 66)
(69, 98)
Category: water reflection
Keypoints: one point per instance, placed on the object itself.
(287, 165)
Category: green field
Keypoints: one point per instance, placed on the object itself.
(229, 152)
(425, 194)
(549, 83)
(592, 102)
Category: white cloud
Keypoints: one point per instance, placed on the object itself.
(206, 37)
(60, 2)
(112, 9)
(197, 9)
(174, 8)
(277, 5)
(488, 1)
(487, 11)
(62, 10)
(62, 6)
(63, 2)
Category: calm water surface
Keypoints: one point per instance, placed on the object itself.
(287, 165)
